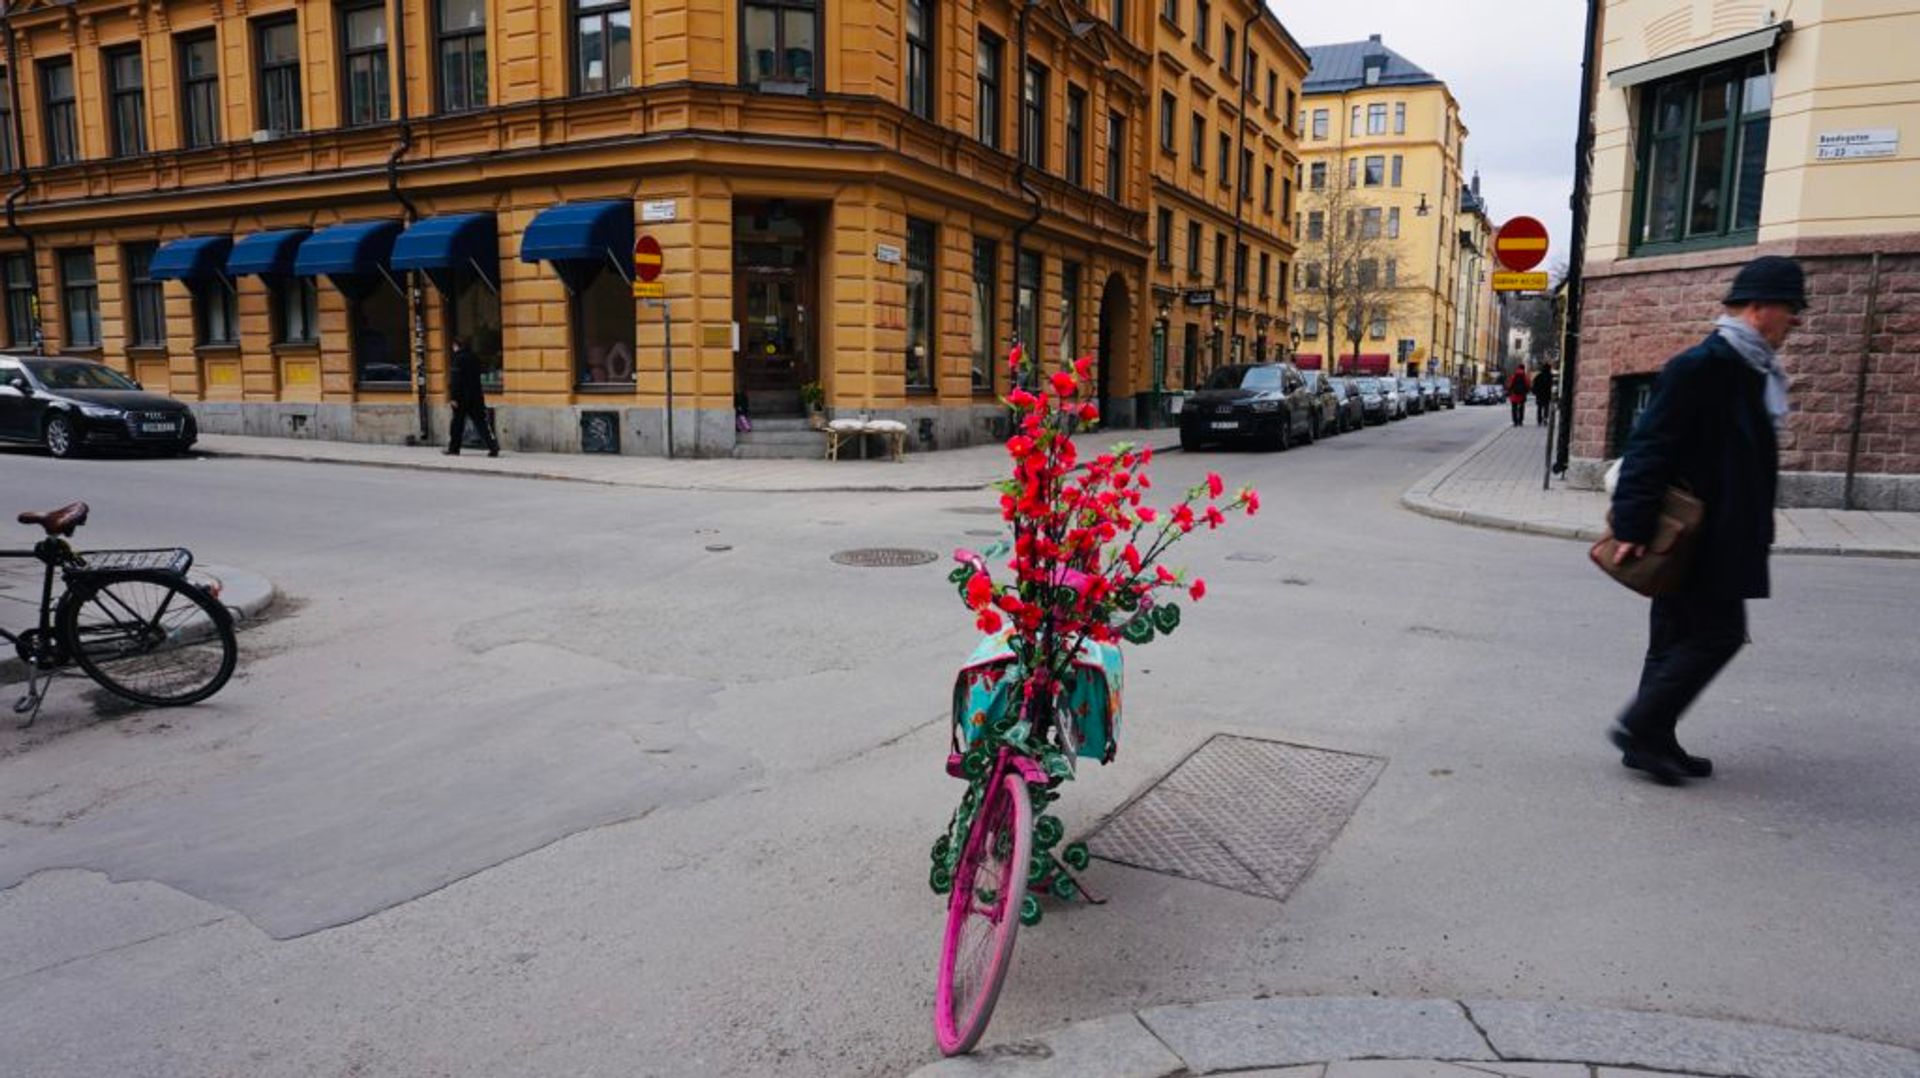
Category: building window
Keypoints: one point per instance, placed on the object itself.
(1393, 273)
(1266, 275)
(56, 90)
(1370, 223)
(199, 90)
(1353, 172)
(1028, 302)
(363, 61)
(1317, 176)
(1076, 136)
(146, 303)
(1190, 356)
(473, 315)
(277, 46)
(986, 256)
(1266, 190)
(215, 321)
(920, 306)
(1117, 14)
(1246, 177)
(1168, 103)
(1316, 225)
(1353, 123)
(1273, 83)
(296, 302)
(80, 299)
(1283, 280)
(1193, 248)
(1310, 326)
(1069, 310)
(1393, 223)
(1116, 156)
(1399, 167)
(1320, 118)
(1377, 119)
(1202, 24)
(1225, 159)
(920, 58)
(20, 305)
(1400, 117)
(1227, 54)
(377, 330)
(1377, 325)
(1312, 270)
(1369, 272)
(1240, 269)
(603, 44)
(1703, 157)
(462, 48)
(1375, 170)
(1033, 116)
(603, 319)
(1163, 238)
(1170, 11)
(987, 90)
(1197, 143)
(1219, 258)
(126, 100)
(1286, 198)
(1253, 72)
(7, 162)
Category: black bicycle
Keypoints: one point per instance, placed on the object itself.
(130, 618)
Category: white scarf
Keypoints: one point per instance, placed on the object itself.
(1761, 357)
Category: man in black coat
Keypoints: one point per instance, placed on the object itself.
(1710, 426)
(469, 400)
(1542, 394)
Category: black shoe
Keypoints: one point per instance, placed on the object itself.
(493, 452)
(1664, 766)
(449, 452)
(1696, 767)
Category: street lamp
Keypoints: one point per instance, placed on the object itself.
(1421, 210)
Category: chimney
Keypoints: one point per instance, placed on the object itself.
(1375, 38)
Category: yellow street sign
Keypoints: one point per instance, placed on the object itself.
(1519, 282)
(649, 290)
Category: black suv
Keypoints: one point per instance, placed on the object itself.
(71, 404)
(1265, 403)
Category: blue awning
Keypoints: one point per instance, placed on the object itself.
(579, 231)
(192, 259)
(266, 253)
(361, 247)
(459, 241)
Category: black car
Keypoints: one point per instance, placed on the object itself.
(1485, 393)
(1376, 399)
(1415, 400)
(1443, 387)
(1260, 402)
(1326, 404)
(69, 405)
(1353, 413)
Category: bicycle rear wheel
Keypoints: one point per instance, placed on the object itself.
(983, 916)
(149, 636)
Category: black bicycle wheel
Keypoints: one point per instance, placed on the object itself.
(149, 636)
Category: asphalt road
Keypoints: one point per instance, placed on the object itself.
(548, 778)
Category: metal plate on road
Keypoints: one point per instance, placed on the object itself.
(1241, 813)
(885, 557)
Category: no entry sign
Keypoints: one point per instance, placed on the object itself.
(646, 258)
(1521, 244)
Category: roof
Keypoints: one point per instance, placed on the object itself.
(1343, 67)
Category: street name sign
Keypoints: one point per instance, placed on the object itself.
(1520, 282)
(1199, 297)
(1520, 244)
(1854, 145)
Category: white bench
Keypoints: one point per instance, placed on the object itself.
(892, 432)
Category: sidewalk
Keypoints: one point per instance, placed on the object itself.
(1496, 484)
(1390, 1038)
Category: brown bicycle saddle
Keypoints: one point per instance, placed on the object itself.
(61, 521)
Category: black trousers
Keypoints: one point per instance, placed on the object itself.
(1519, 411)
(1540, 405)
(463, 411)
(1691, 638)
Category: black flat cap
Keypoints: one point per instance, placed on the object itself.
(1769, 279)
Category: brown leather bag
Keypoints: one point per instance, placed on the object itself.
(1662, 569)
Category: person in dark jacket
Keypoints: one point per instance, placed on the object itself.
(1542, 394)
(469, 399)
(1517, 394)
(1710, 426)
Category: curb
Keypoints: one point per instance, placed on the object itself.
(1419, 498)
(246, 595)
(1235, 1036)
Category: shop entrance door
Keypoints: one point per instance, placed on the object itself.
(774, 290)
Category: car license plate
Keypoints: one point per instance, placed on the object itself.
(1224, 424)
(158, 428)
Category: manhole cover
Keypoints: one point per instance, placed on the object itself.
(1241, 813)
(885, 557)
(983, 533)
(977, 510)
(1250, 556)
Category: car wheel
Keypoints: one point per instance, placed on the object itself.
(1313, 429)
(58, 436)
(1284, 441)
(1188, 443)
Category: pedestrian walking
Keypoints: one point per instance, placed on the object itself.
(1517, 394)
(1542, 394)
(469, 400)
(1710, 426)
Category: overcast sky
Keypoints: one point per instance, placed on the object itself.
(1514, 66)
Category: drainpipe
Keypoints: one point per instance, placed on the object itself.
(19, 136)
(1020, 177)
(1576, 273)
(416, 296)
(1243, 188)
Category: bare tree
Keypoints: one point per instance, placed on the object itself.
(1350, 262)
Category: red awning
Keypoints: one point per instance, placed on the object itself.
(1366, 363)
(1306, 361)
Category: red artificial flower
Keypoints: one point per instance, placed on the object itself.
(1165, 576)
(1198, 590)
(1022, 399)
(1132, 556)
(1215, 485)
(1215, 517)
(1020, 445)
(1083, 367)
(1253, 501)
(1148, 514)
(1089, 412)
(988, 622)
(1013, 357)
(979, 590)
(1010, 603)
(1064, 384)
(1183, 518)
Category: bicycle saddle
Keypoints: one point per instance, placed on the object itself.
(61, 521)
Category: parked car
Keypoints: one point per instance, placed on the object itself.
(1443, 386)
(1374, 405)
(1353, 413)
(1485, 393)
(1265, 403)
(69, 405)
(1410, 393)
(1325, 408)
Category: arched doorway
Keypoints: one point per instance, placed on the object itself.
(1116, 317)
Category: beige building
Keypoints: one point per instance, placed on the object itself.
(287, 210)
(1222, 160)
(1381, 146)
(1722, 133)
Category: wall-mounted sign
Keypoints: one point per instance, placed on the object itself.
(664, 209)
(1199, 297)
(1519, 282)
(888, 254)
(1854, 145)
